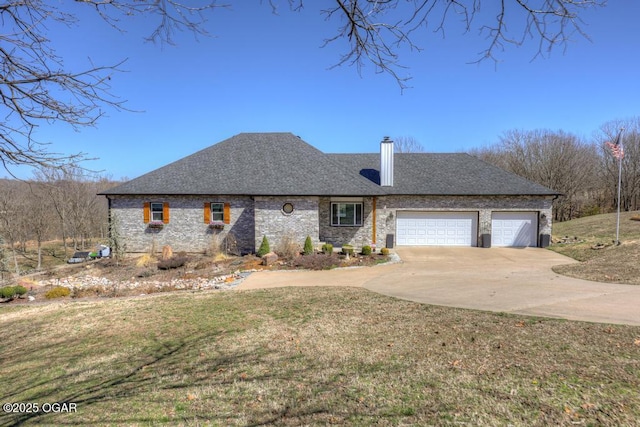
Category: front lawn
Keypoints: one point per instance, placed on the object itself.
(312, 356)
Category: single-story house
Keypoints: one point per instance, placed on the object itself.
(277, 185)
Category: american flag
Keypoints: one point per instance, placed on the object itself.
(616, 146)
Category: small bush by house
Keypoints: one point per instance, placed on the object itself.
(308, 246)
(264, 247)
(327, 248)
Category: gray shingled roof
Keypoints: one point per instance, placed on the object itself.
(442, 174)
(253, 164)
(283, 164)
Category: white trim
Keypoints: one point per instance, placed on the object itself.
(344, 215)
(348, 199)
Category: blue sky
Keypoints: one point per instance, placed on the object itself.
(263, 72)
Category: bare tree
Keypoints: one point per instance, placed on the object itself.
(557, 160)
(407, 144)
(41, 218)
(52, 181)
(14, 216)
(4, 264)
(37, 89)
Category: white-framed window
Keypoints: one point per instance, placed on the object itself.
(217, 212)
(346, 214)
(157, 212)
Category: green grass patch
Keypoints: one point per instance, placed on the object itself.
(312, 356)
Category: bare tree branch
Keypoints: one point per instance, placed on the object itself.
(377, 30)
(36, 88)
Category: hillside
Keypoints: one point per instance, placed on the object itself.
(591, 240)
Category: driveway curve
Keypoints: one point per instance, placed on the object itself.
(505, 280)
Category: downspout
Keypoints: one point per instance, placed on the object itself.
(373, 238)
(109, 218)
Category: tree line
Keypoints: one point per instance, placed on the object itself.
(583, 170)
(55, 204)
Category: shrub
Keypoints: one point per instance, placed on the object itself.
(230, 244)
(308, 246)
(145, 260)
(20, 290)
(173, 262)
(384, 251)
(58, 292)
(167, 252)
(288, 248)
(317, 262)
(264, 247)
(366, 250)
(215, 245)
(88, 292)
(347, 249)
(7, 292)
(327, 248)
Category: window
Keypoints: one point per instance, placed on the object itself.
(157, 212)
(217, 212)
(287, 208)
(346, 214)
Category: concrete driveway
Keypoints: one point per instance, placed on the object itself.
(506, 280)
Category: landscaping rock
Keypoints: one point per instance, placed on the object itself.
(269, 259)
(226, 281)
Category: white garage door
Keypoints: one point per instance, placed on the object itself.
(437, 228)
(514, 229)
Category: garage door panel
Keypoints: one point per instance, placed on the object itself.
(437, 228)
(518, 229)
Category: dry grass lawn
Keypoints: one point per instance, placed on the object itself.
(614, 264)
(312, 356)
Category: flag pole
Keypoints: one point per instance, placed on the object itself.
(619, 155)
(618, 220)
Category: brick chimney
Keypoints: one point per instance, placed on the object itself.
(386, 162)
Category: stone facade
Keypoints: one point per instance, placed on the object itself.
(255, 217)
(186, 230)
(272, 221)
